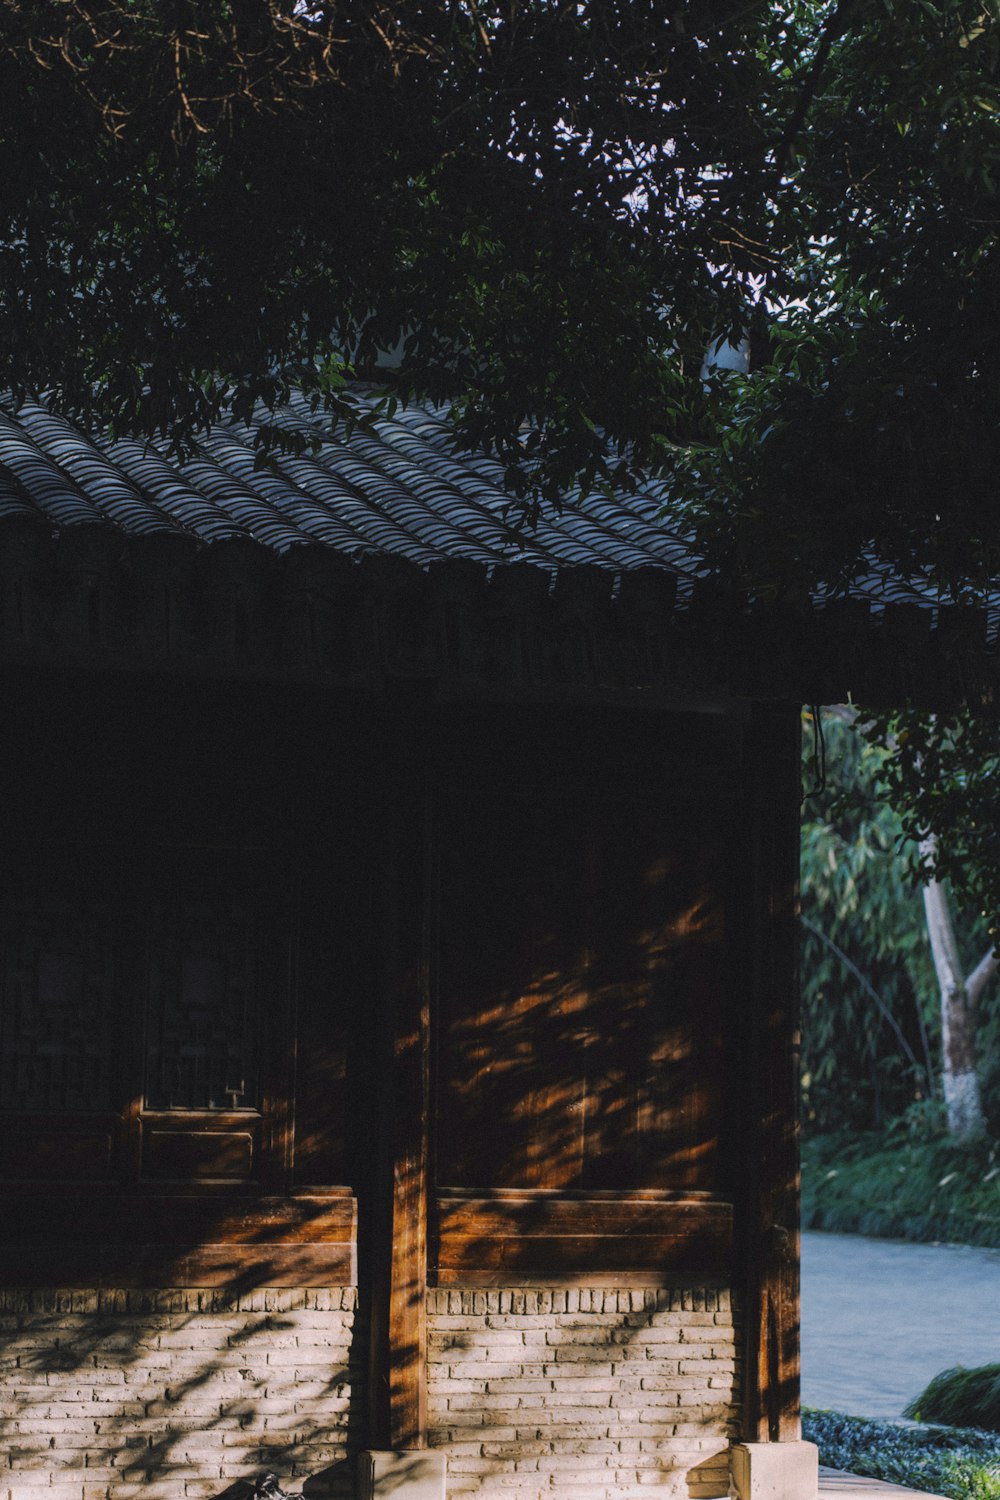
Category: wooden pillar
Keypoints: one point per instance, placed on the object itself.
(769, 1239)
(398, 1243)
(408, 1265)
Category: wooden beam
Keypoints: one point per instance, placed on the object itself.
(769, 1231)
(489, 1240)
(100, 1235)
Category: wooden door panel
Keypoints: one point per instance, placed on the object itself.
(581, 984)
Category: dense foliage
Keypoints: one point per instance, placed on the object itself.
(903, 1184)
(961, 1463)
(553, 208)
(869, 1022)
(548, 205)
(961, 1398)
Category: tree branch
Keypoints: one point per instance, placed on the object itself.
(981, 976)
(836, 25)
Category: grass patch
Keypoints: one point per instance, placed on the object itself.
(902, 1188)
(962, 1398)
(959, 1462)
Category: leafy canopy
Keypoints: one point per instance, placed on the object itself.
(205, 201)
(553, 208)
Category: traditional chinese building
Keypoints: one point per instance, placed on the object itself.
(398, 979)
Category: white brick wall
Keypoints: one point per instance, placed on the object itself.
(594, 1394)
(598, 1394)
(113, 1394)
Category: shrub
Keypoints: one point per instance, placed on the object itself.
(962, 1398)
(958, 1462)
(896, 1185)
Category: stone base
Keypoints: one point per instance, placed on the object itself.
(775, 1471)
(400, 1474)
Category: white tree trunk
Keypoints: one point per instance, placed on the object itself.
(959, 996)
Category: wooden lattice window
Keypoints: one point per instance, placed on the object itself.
(59, 1022)
(132, 1021)
(202, 1013)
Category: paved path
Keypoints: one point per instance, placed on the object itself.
(834, 1484)
(880, 1317)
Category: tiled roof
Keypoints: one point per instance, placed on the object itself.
(394, 497)
(397, 489)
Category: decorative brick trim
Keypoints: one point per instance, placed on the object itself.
(444, 1300)
(183, 1300)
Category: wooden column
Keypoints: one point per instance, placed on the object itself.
(398, 1244)
(408, 1266)
(769, 1238)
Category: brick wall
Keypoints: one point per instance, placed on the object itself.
(113, 1394)
(596, 1394)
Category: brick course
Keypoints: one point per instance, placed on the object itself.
(110, 1395)
(598, 1393)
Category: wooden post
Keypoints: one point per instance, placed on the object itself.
(770, 1215)
(398, 1244)
(408, 1273)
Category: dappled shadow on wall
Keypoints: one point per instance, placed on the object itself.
(582, 1006)
(582, 997)
(173, 1387)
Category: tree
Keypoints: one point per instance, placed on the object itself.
(546, 205)
(554, 208)
(960, 995)
(871, 428)
(940, 774)
(911, 790)
(869, 1032)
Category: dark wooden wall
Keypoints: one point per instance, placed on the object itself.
(581, 996)
(184, 887)
(523, 981)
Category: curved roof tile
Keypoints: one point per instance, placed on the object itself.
(51, 491)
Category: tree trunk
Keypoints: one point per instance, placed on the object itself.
(963, 1102)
